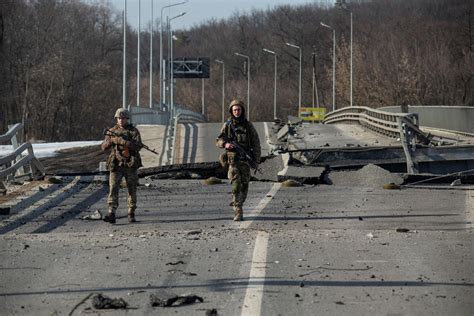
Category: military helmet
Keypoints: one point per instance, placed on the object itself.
(239, 103)
(122, 112)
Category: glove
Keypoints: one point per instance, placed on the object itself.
(120, 141)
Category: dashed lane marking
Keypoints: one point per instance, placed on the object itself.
(470, 209)
(254, 294)
(261, 205)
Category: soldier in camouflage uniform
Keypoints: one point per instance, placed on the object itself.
(123, 162)
(239, 130)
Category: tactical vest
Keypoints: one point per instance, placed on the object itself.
(122, 156)
(240, 134)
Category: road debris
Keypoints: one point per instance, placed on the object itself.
(291, 183)
(81, 302)
(100, 301)
(54, 180)
(175, 263)
(97, 215)
(370, 176)
(211, 312)
(194, 232)
(456, 182)
(212, 181)
(391, 186)
(402, 230)
(171, 300)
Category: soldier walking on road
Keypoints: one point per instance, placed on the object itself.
(238, 135)
(123, 162)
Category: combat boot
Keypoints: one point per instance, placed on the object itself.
(110, 218)
(238, 214)
(131, 216)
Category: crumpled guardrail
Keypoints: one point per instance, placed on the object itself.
(26, 165)
(382, 122)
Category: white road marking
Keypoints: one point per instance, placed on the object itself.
(254, 294)
(267, 131)
(470, 209)
(261, 205)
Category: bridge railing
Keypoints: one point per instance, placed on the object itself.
(181, 116)
(385, 123)
(21, 161)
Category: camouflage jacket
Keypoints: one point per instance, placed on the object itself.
(244, 134)
(124, 153)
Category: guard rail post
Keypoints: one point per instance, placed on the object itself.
(14, 161)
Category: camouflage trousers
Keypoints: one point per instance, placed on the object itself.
(115, 177)
(239, 176)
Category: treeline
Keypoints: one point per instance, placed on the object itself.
(61, 61)
(60, 68)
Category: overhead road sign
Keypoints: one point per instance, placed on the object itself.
(191, 67)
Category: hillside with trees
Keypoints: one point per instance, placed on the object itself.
(61, 61)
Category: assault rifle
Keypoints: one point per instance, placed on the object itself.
(242, 153)
(108, 132)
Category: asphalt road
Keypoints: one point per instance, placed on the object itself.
(196, 142)
(308, 250)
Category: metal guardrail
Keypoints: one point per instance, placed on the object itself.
(17, 163)
(385, 123)
(181, 116)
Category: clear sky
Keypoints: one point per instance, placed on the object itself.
(197, 11)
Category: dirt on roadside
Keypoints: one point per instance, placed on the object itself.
(73, 160)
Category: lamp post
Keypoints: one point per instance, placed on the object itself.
(351, 59)
(223, 88)
(248, 83)
(315, 86)
(163, 69)
(124, 64)
(151, 57)
(202, 96)
(344, 6)
(275, 82)
(299, 84)
(333, 65)
(138, 57)
(172, 61)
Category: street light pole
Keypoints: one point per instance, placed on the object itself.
(299, 85)
(138, 57)
(202, 96)
(351, 60)
(248, 83)
(163, 69)
(333, 65)
(172, 62)
(274, 83)
(151, 57)
(223, 88)
(124, 65)
(315, 85)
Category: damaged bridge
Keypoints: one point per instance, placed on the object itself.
(352, 247)
(354, 137)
